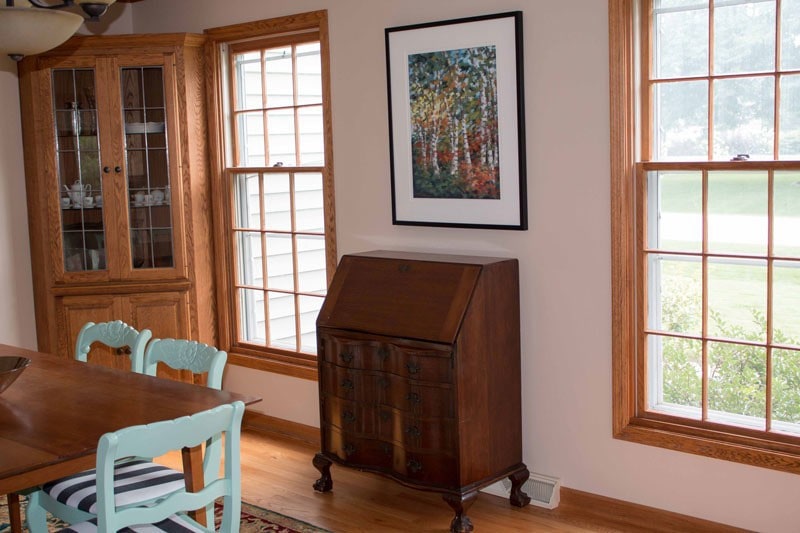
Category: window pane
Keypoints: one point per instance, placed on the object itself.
(785, 390)
(251, 316)
(278, 72)
(277, 202)
(309, 126)
(737, 212)
(311, 263)
(785, 301)
(676, 286)
(248, 245)
(744, 37)
(744, 117)
(677, 365)
(790, 34)
(309, 309)
(677, 221)
(309, 202)
(248, 69)
(250, 127)
(280, 265)
(280, 125)
(790, 117)
(786, 207)
(247, 211)
(737, 380)
(681, 120)
(281, 321)
(309, 74)
(737, 299)
(681, 43)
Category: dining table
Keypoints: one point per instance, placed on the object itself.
(53, 415)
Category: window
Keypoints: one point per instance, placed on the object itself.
(705, 166)
(275, 182)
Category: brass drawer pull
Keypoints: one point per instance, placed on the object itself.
(413, 368)
(414, 465)
(413, 397)
(383, 353)
(347, 357)
(384, 416)
(383, 383)
(348, 384)
(348, 416)
(413, 431)
(349, 449)
(387, 448)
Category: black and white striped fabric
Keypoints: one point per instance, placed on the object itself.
(173, 524)
(135, 481)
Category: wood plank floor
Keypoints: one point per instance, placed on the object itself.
(277, 474)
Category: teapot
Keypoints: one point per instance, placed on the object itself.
(77, 192)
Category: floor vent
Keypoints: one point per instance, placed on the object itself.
(543, 490)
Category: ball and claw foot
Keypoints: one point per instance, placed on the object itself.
(517, 497)
(323, 464)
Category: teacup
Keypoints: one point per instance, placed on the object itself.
(88, 201)
(65, 203)
(98, 200)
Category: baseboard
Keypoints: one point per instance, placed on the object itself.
(277, 426)
(581, 507)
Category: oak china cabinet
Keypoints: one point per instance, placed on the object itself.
(117, 184)
(419, 374)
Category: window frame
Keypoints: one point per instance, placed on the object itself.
(271, 31)
(630, 420)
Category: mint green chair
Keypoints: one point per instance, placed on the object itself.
(134, 492)
(182, 354)
(116, 334)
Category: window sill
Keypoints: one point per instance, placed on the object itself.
(276, 364)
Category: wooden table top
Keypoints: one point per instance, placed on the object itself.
(52, 416)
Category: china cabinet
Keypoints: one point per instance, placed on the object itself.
(117, 184)
(419, 374)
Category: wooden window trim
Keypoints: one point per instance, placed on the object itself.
(630, 423)
(246, 35)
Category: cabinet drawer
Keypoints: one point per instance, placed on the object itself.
(378, 388)
(390, 425)
(424, 363)
(435, 468)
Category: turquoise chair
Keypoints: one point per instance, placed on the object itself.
(122, 502)
(181, 354)
(116, 334)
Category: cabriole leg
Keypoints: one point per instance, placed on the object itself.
(461, 522)
(323, 464)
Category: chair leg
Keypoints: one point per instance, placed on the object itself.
(36, 515)
(14, 512)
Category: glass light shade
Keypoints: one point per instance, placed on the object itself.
(26, 30)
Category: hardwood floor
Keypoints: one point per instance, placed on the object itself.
(277, 474)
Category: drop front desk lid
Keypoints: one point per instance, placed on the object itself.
(403, 294)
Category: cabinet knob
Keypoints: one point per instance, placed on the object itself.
(348, 384)
(347, 357)
(348, 416)
(413, 431)
(106, 169)
(414, 465)
(384, 416)
(383, 353)
(412, 367)
(117, 169)
(124, 351)
(383, 383)
(349, 449)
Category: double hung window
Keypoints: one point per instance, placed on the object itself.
(275, 180)
(706, 226)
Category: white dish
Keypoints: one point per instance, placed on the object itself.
(144, 127)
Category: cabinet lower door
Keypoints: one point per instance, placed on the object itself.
(164, 313)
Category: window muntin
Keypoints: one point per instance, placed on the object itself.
(707, 242)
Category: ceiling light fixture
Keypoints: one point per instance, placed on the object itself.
(30, 27)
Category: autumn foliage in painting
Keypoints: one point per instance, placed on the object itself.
(454, 141)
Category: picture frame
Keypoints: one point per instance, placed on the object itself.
(457, 123)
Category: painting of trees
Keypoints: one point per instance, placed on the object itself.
(454, 130)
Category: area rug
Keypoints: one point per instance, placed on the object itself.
(254, 520)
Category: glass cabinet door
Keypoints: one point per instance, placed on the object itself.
(78, 157)
(147, 159)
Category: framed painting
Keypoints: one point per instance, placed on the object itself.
(456, 123)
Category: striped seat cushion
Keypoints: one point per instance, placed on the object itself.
(135, 481)
(173, 524)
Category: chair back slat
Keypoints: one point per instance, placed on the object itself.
(115, 334)
(180, 354)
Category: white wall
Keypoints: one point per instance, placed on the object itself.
(564, 256)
